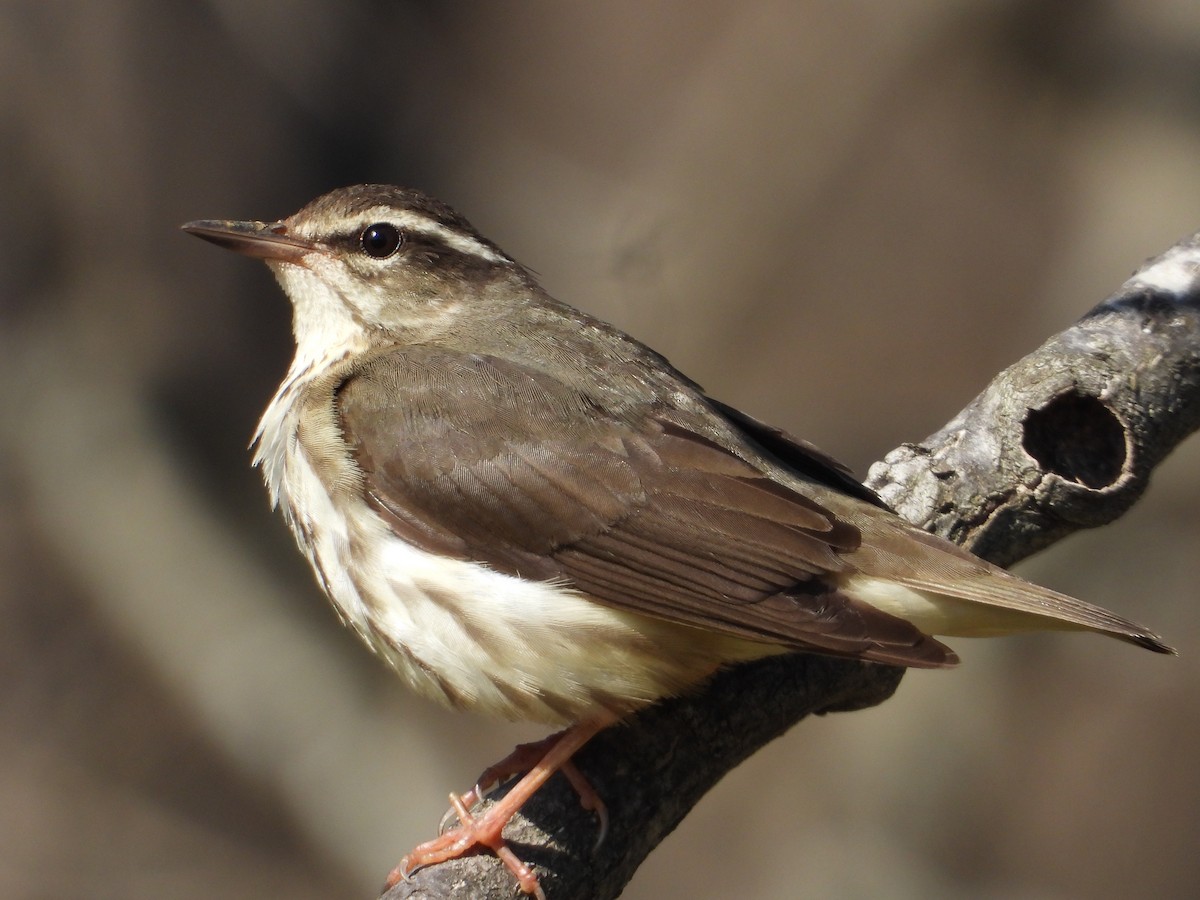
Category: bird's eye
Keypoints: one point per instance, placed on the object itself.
(381, 240)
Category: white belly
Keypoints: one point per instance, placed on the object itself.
(472, 637)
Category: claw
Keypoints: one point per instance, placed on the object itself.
(588, 799)
(486, 831)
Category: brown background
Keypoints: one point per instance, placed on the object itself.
(841, 217)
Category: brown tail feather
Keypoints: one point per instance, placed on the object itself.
(997, 601)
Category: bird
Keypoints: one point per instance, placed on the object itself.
(528, 513)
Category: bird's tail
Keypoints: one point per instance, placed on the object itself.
(947, 591)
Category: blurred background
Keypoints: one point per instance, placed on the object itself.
(844, 218)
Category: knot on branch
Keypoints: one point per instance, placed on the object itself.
(1078, 437)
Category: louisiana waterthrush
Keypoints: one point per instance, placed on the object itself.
(528, 513)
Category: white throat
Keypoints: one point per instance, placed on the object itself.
(326, 331)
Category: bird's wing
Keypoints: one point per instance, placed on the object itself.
(797, 454)
(484, 459)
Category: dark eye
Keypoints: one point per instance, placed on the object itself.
(381, 240)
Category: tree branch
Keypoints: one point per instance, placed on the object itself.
(1064, 439)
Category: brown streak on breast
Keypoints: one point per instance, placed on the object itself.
(481, 636)
(319, 433)
(395, 651)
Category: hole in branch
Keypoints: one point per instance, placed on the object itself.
(1077, 437)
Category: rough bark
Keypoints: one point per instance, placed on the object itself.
(1066, 438)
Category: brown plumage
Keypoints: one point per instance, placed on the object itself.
(527, 512)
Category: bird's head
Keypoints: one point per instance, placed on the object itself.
(375, 262)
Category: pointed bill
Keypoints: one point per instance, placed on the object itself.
(261, 240)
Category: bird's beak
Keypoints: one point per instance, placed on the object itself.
(262, 240)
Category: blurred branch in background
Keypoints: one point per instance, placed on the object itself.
(909, 194)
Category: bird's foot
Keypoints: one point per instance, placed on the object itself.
(521, 760)
(472, 832)
(550, 756)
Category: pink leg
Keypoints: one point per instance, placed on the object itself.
(522, 759)
(485, 831)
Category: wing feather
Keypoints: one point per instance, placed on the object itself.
(506, 465)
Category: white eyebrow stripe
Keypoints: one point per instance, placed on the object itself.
(410, 221)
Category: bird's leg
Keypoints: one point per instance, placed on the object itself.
(521, 760)
(485, 831)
